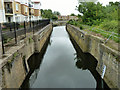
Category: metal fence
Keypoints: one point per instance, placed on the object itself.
(11, 31)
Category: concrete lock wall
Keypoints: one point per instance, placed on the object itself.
(0, 43)
(105, 56)
(0, 49)
(14, 66)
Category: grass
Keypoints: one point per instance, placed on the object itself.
(6, 39)
(4, 29)
(110, 32)
(106, 34)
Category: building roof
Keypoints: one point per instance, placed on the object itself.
(36, 2)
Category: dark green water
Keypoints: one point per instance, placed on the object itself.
(62, 64)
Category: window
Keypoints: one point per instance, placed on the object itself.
(8, 5)
(26, 9)
(17, 7)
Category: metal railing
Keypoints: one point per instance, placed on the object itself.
(11, 31)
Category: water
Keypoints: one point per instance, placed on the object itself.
(62, 64)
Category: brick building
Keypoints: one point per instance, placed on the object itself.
(67, 17)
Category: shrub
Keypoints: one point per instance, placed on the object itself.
(110, 25)
(81, 27)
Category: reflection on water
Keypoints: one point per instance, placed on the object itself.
(87, 61)
(34, 63)
(63, 65)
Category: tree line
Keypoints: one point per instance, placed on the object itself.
(48, 13)
(104, 20)
(94, 14)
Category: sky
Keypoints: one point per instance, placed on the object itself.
(65, 7)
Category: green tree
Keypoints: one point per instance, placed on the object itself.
(111, 11)
(95, 13)
(56, 13)
(48, 14)
(54, 17)
(92, 13)
(72, 14)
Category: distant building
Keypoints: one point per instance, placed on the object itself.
(73, 17)
(67, 17)
(63, 17)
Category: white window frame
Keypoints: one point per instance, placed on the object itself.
(17, 6)
(26, 9)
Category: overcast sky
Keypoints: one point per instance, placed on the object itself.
(65, 7)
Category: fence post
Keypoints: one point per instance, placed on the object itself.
(49, 21)
(39, 22)
(15, 33)
(10, 26)
(25, 28)
(17, 25)
(30, 23)
(1, 43)
(42, 24)
(33, 26)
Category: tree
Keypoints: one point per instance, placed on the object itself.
(111, 11)
(116, 3)
(87, 1)
(92, 13)
(48, 14)
(54, 17)
(72, 14)
(56, 13)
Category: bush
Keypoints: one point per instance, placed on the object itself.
(110, 25)
(73, 22)
(81, 27)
